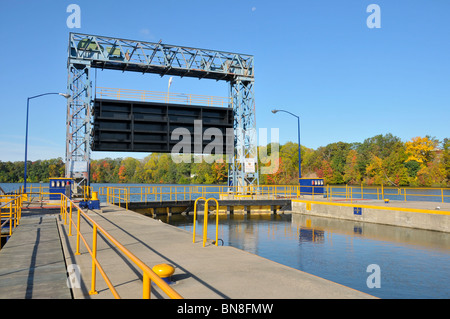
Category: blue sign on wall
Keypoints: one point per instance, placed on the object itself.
(357, 211)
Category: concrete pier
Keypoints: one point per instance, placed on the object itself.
(421, 215)
(32, 264)
(209, 272)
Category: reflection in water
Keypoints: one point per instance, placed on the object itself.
(311, 235)
(414, 263)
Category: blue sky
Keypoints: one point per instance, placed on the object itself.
(314, 58)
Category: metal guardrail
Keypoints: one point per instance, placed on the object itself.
(13, 206)
(117, 194)
(205, 220)
(126, 194)
(41, 193)
(67, 208)
(10, 213)
(405, 194)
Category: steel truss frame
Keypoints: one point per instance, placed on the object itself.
(92, 51)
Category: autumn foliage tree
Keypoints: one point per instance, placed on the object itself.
(381, 159)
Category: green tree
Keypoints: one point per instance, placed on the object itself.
(446, 158)
(352, 174)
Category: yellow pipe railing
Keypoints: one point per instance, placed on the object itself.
(10, 211)
(149, 275)
(123, 194)
(205, 221)
(380, 193)
(195, 216)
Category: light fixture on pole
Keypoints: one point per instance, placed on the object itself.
(168, 88)
(26, 133)
(299, 153)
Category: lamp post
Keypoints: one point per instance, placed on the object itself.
(168, 88)
(26, 133)
(299, 154)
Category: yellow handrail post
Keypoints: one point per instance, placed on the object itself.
(14, 213)
(195, 215)
(64, 202)
(78, 232)
(94, 256)
(70, 219)
(205, 223)
(10, 218)
(61, 208)
(146, 286)
(442, 194)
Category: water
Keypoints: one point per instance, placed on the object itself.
(413, 263)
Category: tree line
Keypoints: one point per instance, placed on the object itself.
(379, 160)
(382, 159)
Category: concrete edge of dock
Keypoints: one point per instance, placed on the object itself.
(418, 215)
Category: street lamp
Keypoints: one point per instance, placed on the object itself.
(168, 88)
(26, 134)
(299, 154)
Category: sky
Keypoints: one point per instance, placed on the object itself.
(315, 58)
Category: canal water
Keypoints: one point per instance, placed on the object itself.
(409, 263)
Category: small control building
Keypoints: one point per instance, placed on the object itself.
(311, 186)
(60, 185)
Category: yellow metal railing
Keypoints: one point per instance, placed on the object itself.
(10, 212)
(125, 194)
(405, 194)
(41, 193)
(180, 192)
(168, 97)
(115, 195)
(205, 220)
(195, 216)
(67, 211)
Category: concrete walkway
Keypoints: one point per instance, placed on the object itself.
(32, 263)
(200, 272)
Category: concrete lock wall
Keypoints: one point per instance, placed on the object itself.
(414, 218)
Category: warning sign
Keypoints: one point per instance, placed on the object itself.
(249, 165)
